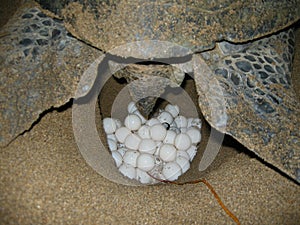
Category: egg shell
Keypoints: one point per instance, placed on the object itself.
(117, 158)
(145, 162)
(183, 163)
(180, 121)
(109, 125)
(167, 152)
(112, 144)
(182, 141)
(158, 132)
(171, 171)
(144, 131)
(192, 152)
(170, 137)
(130, 158)
(147, 146)
(172, 109)
(131, 107)
(122, 133)
(127, 170)
(165, 117)
(132, 141)
(133, 122)
(152, 122)
(194, 134)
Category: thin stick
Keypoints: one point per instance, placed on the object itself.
(204, 181)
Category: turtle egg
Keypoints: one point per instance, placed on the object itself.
(167, 152)
(170, 137)
(112, 137)
(145, 162)
(131, 107)
(194, 134)
(117, 157)
(183, 163)
(182, 141)
(132, 141)
(143, 177)
(144, 131)
(152, 122)
(183, 154)
(118, 123)
(109, 125)
(122, 133)
(137, 112)
(158, 132)
(130, 158)
(172, 109)
(165, 117)
(112, 144)
(171, 171)
(122, 151)
(128, 171)
(147, 145)
(180, 121)
(192, 152)
(133, 122)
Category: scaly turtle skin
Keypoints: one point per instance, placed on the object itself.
(234, 41)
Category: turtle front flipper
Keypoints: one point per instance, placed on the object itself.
(146, 83)
(261, 106)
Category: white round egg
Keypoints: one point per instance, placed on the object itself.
(172, 109)
(183, 154)
(145, 162)
(152, 122)
(122, 151)
(182, 141)
(183, 163)
(144, 131)
(122, 133)
(194, 134)
(131, 107)
(167, 152)
(147, 146)
(133, 122)
(132, 141)
(180, 121)
(170, 137)
(171, 171)
(158, 132)
(127, 170)
(192, 152)
(112, 144)
(109, 125)
(117, 158)
(165, 117)
(143, 119)
(130, 158)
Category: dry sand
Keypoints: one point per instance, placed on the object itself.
(45, 180)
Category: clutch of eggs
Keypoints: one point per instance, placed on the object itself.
(162, 146)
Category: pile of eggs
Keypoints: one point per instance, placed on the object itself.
(162, 146)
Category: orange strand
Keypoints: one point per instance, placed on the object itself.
(208, 185)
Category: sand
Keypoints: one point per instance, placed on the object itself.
(45, 180)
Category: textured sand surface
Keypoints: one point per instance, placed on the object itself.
(45, 180)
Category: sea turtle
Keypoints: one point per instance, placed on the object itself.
(245, 46)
